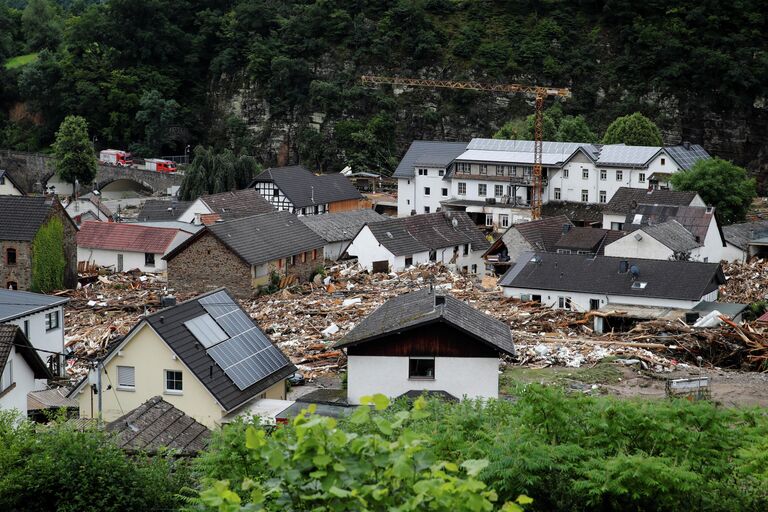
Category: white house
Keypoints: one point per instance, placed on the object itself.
(20, 368)
(396, 244)
(236, 204)
(88, 208)
(492, 180)
(338, 229)
(425, 341)
(127, 246)
(8, 187)
(41, 320)
(582, 283)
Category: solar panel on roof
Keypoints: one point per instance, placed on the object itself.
(206, 330)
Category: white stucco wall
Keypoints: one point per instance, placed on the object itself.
(131, 260)
(82, 206)
(473, 377)
(192, 213)
(367, 249)
(7, 188)
(646, 248)
(404, 197)
(52, 340)
(25, 382)
(332, 250)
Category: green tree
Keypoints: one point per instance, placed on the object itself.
(721, 184)
(574, 129)
(42, 25)
(517, 130)
(211, 172)
(157, 115)
(633, 130)
(73, 152)
(48, 261)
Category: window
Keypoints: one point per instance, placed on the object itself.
(432, 255)
(474, 268)
(483, 168)
(426, 191)
(314, 254)
(617, 226)
(619, 175)
(504, 220)
(482, 189)
(10, 256)
(511, 170)
(603, 175)
(663, 161)
(500, 170)
(26, 328)
(7, 377)
(409, 261)
(603, 196)
(462, 167)
(149, 259)
(564, 302)
(584, 196)
(423, 172)
(421, 368)
(444, 192)
(317, 210)
(173, 383)
(585, 174)
(489, 219)
(126, 378)
(303, 211)
(441, 172)
(594, 304)
(275, 192)
(565, 172)
(51, 320)
(557, 194)
(303, 257)
(280, 263)
(641, 177)
(462, 189)
(466, 249)
(2, 180)
(426, 209)
(498, 190)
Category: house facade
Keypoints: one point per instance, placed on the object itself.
(393, 245)
(204, 356)
(88, 208)
(20, 368)
(212, 208)
(338, 229)
(21, 218)
(8, 187)
(492, 180)
(425, 341)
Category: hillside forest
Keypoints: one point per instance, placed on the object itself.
(280, 80)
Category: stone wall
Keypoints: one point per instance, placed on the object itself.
(70, 244)
(207, 264)
(21, 272)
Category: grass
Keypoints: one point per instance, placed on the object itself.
(602, 373)
(20, 60)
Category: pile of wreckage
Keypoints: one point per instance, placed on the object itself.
(306, 320)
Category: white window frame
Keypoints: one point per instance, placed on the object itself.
(584, 195)
(558, 193)
(441, 172)
(641, 177)
(498, 190)
(489, 219)
(584, 173)
(504, 220)
(6, 379)
(603, 175)
(619, 175)
(168, 391)
(484, 188)
(564, 303)
(444, 192)
(500, 170)
(462, 188)
(602, 196)
(123, 382)
(427, 191)
(427, 209)
(565, 172)
(482, 168)
(49, 321)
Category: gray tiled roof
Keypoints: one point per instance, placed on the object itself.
(687, 155)
(626, 199)
(262, 238)
(696, 219)
(15, 304)
(336, 227)
(303, 188)
(427, 232)
(683, 280)
(741, 234)
(237, 203)
(22, 216)
(429, 153)
(418, 308)
(581, 239)
(543, 234)
(673, 235)
(577, 212)
(156, 424)
(154, 210)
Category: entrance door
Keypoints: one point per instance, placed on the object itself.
(119, 262)
(594, 304)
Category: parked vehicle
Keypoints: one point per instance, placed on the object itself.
(159, 165)
(116, 157)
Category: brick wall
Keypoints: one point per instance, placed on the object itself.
(207, 264)
(302, 270)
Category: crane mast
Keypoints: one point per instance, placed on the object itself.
(538, 92)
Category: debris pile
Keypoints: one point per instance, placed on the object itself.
(745, 282)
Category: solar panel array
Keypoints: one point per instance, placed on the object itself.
(687, 157)
(523, 146)
(245, 354)
(619, 154)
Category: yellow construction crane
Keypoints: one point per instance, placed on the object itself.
(537, 91)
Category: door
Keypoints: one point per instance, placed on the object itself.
(119, 262)
(594, 304)
(381, 267)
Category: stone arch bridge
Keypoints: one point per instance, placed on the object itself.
(29, 169)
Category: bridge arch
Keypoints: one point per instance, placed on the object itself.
(124, 183)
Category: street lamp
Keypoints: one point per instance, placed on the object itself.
(186, 154)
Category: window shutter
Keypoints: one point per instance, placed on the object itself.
(126, 376)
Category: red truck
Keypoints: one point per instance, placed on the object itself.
(115, 157)
(159, 165)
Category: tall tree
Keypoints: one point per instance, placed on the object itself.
(633, 130)
(73, 152)
(211, 173)
(574, 129)
(42, 25)
(721, 184)
(157, 114)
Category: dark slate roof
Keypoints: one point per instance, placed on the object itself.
(156, 424)
(415, 309)
(741, 234)
(237, 203)
(577, 212)
(11, 335)
(158, 209)
(5, 174)
(673, 235)
(696, 219)
(687, 154)
(337, 227)
(543, 234)
(15, 304)
(22, 216)
(581, 239)
(427, 232)
(303, 188)
(684, 280)
(428, 153)
(626, 199)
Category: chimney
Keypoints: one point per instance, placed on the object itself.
(687, 145)
(439, 300)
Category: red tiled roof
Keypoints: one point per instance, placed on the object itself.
(763, 318)
(209, 218)
(125, 237)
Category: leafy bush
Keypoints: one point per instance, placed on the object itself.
(48, 261)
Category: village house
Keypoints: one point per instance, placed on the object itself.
(206, 357)
(395, 244)
(21, 218)
(20, 368)
(243, 254)
(41, 320)
(88, 208)
(425, 340)
(161, 210)
(627, 199)
(583, 283)
(338, 229)
(236, 204)
(126, 247)
(8, 187)
(294, 189)
(492, 180)
(751, 238)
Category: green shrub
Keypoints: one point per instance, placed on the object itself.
(48, 261)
